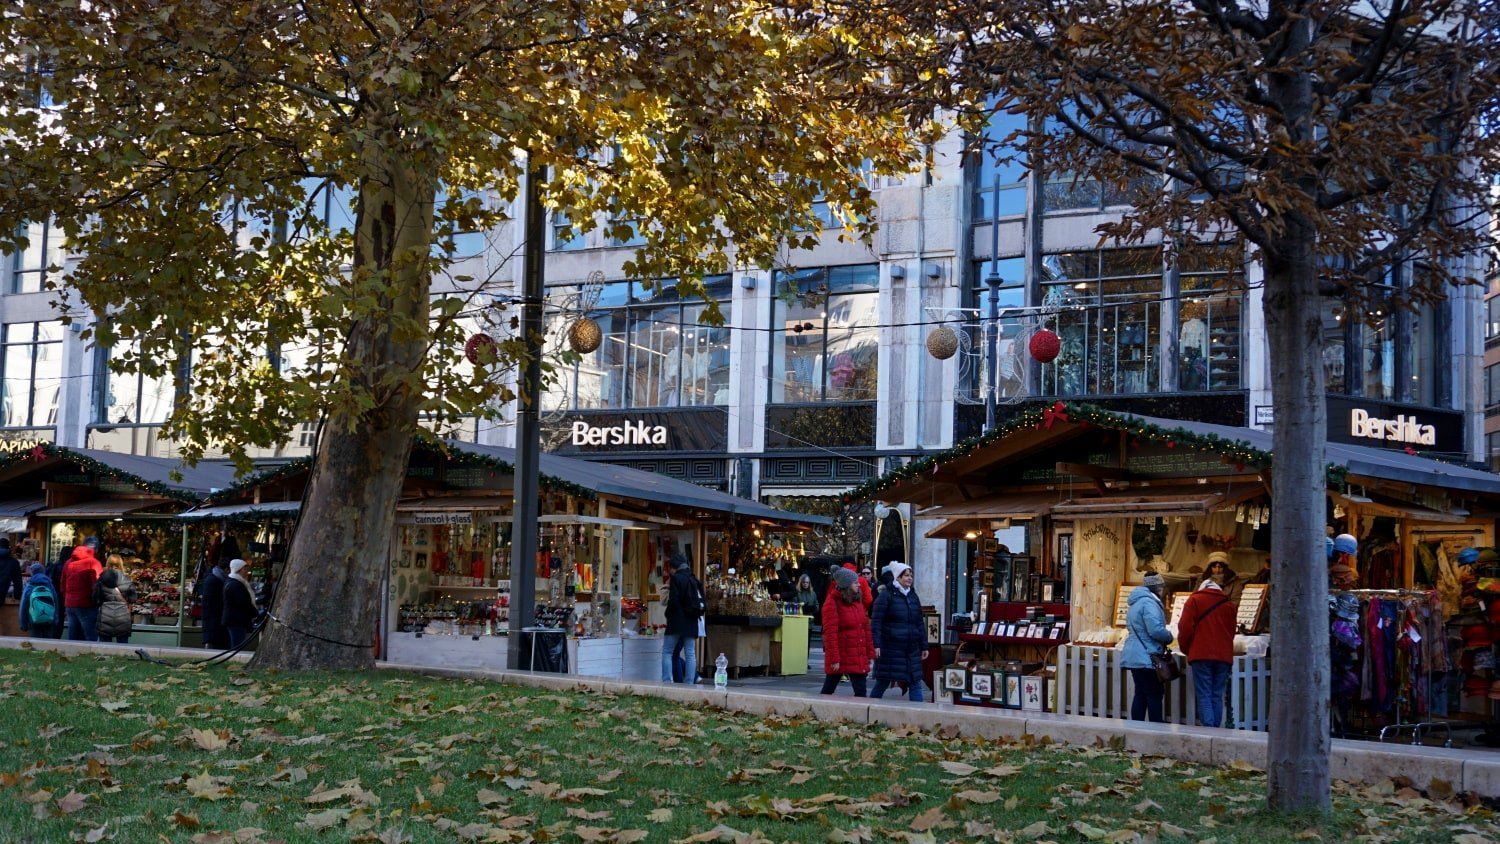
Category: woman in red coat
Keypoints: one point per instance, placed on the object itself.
(847, 647)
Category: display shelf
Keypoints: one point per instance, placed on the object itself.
(464, 588)
(986, 639)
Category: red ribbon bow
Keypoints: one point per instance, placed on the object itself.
(1056, 413)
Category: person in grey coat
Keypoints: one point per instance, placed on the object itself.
(1147, 634)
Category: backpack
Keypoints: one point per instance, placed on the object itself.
(41, 607)
(114, 614)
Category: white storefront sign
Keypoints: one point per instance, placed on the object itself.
(630, 433)
(1402, 429)
(442, 518)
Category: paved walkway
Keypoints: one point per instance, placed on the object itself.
(1354, 761)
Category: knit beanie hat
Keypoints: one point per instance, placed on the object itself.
(1155, 582)
(235, 566)
(844, 578)
(896, 568)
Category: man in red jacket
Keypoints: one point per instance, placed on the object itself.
(78, 577)
(1206, 634)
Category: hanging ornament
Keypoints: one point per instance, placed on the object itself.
(942, 343)
(584, 335)
(480, 348)
(1045, 346)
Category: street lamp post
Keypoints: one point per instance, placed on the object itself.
(526, 485)
(992, 319)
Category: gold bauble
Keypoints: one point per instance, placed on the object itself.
(942, 343)
(584, 335)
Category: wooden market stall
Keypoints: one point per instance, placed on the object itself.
(1108, 497)
(606, 535)
(61, 497)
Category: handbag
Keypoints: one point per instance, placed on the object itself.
(1166, 667)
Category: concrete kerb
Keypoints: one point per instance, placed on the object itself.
(1351, 761)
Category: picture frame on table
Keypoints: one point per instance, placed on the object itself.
(956, 679)
(1033, 693)
(1012, 691)
(1020, 578)
(982, 684)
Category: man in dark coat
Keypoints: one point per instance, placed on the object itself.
(685, 606)
(10, 573)
(211, 593)
(900, 635)
(239, 605)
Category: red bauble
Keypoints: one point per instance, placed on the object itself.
(474, 350)
(1045, 346)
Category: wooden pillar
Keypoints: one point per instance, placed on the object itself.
(1408, 555)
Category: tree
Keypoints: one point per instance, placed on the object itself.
(1334, 139)
(183, 148)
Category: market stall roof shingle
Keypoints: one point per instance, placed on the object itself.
(150, 474)
(1247, 445)
(625, 482)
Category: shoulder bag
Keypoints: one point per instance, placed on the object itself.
(1162, 662)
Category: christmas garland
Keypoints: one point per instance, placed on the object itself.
(43, 451)
(454, 456)
(1040, 416)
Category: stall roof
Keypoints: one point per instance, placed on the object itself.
(1365, 461)
(150, 474)
(1040, 428)
(21, 508)
(105, 508)
(453, 502)
(1018, 506)
(230, 511)
(624, 482)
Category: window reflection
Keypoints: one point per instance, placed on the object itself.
(31, 373)
(826, 345)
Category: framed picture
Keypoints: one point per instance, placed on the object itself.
(955, 679)
(1034, 588)
(421, 560)
(1033, 693)
(1051, 694)
(1020, 577)
(1013, 691)
(934, 625)
(982, 684)
(1049, 588)
(405, 558)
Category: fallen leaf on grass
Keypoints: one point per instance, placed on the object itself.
(326, 819)
(209, 739)
(725, 833)
(114, 705)
(958, 769)
(185, 820)
(1092, 833)
(659, 816)
(928, 819)
(1000, 771)
(487, 797)
(1035, 831)
(985, 797)
(586, 815)
(94, 836)
(799, 779)
(857, 835)
(207, 787)
(610, 776)
(71, 802)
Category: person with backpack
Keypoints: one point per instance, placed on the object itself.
(10, 573)
(684, 612)
(41, 609)
(1206, 634)
(78, 578)
(111, 593)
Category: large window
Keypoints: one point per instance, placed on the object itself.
(134, 398)
(1492, 318)
(1208, 316)
(825, 343)
(565, 237)
(1109, 321)
(1492, 450)
(1335, 341)
(1492, 384)
(31, 370)
(40, 260)
(656, 351)
(1002, 168)
(1375, 349)
(1010, 341)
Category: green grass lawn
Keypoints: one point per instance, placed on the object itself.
(110, 749)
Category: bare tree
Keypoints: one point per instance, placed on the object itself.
(1335, 139)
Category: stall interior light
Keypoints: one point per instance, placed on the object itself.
(971, 535)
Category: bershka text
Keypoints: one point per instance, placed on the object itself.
(1402, 429)
(631, 433)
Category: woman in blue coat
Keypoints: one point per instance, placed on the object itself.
(1146, 626)
(900, 635)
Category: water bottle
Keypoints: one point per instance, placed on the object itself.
(721, 673)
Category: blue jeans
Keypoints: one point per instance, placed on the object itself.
(1209, 680)
(914, 690)
(669, 645)
(83, 624)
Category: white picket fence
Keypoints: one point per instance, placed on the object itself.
(1091, 682)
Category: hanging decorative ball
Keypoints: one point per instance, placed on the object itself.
(1045, 346)
(942, 343)
(480, 347)
(584, 335)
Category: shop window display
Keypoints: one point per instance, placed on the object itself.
(452, 578)
(151, 557)
(826, 345)
(1108, 320)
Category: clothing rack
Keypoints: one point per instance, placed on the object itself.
(1424, 676)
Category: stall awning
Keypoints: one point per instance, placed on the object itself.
(113, 508)
(461, 503)
(238, 511)
(1019, 506)
(13, 513)
(1137, 506)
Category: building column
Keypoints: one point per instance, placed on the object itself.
(1256, 369)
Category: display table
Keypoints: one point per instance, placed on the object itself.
(789, 646)
(744, 640)
(642, 658)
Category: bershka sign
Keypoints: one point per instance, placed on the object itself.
(629, 433)
(1402, 429)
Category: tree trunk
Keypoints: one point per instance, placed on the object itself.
(327, 605)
